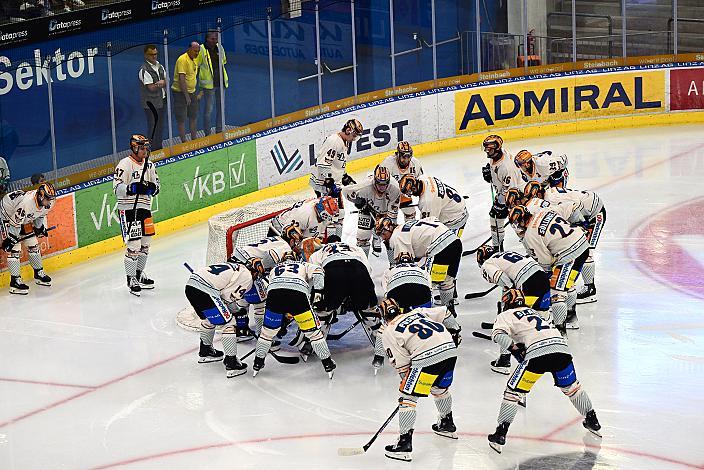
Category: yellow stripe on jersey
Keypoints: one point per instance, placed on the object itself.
(306, 321)
(572, 279)
(527, 381)
(438, 272)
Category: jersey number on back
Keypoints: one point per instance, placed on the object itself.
(422, 327)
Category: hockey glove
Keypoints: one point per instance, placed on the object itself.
(347, 180)
(9, 242)
(317, 300)
(456, 337)
(136, 188)
(152, 189)
(498, 210)
(41, 231)
(362, 205)
(518, 350)
(486, 173)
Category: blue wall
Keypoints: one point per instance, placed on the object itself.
(80, 87)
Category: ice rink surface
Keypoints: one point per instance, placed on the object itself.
(92, 377)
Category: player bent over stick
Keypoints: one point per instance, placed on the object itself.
(292, 285)
(22, 220)
(512, 270)
(214, 291)
(422, 346)
(539, 348)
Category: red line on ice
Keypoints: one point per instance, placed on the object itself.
(38, 382)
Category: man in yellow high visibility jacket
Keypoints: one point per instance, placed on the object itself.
(209, 79)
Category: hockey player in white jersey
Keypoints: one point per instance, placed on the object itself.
(329, 169)
(502, 173)
(539, 348)
(586, 210)
(437, 199)
(215, 292)
(560, 249)
(136, 222)
(546, 168)
(293, 287)
(401, 163)
(312, 217)
(22, 221)
(377, 197)
(422, 346)
(512, 270)
(4, 177)
(427, 238)
(270, 250)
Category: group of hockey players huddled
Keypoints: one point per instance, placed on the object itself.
(302, 275)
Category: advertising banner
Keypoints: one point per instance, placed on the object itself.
(561, 99)
(60, 239)
(188, 182)
(288, 154)
(686, 89)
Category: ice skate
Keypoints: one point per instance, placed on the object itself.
(208, 353)
(17, 286)
(41, 278)
(498, 439)
(257, 366)
(144, 281)
(329, 366)
(572, 323)
(402, 449)
(377, 363)
(592, 423)
(234, 367)
(446, 427)
(133, 284)
(587, 295)
(502, 365)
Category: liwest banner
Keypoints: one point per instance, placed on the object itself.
(188, 182)
(686, 89)
(562, 99)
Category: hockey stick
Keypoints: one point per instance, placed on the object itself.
(145, 164)
(337, 336)
(190, 269)
(360, 320)
(476, 295)
(471, 252)
(281, 359)
(477, 334)
(347, 451)
(30, 235)
(487, 326)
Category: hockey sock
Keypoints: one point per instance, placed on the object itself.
(13, 263)
(588, 271)
(578, 397)
(443, 403)
(207, 332)
(406, 413)
(503, 351)
(509, 406)
(364, 245)
(131, 263)
(321, 348)
(264, 341)
(559, 311)
(446, 289)
(229, 342)
(497, 231)
(390, 255)
(571, 300)
(142, 258)
(35, 256)
(378, 344)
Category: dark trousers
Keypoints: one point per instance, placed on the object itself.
(158, 139)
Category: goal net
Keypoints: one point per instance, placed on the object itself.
(236, 227)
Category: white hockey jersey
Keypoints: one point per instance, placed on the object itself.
(505, 175)
(583, 205)
(18, 208)
(442, 201)
(4, 172)
(269, 249)
(546, 163)
(524, 325)
(330, 162)
(414, 167)
(304, 213)
(418, 338)
(421, 238)
(404, 273)
(297, 275)
(230, 280)
(551, 240)
(535, 204)
(509, 269)
(339, 251)
(127, 172)
(384, 205)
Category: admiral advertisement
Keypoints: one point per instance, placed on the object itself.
(290, 153)
(686, 89)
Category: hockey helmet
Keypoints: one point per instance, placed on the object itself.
(45, 195)
(533, 189)
(513, 298)
(389, 309)
(289, 256)
(484, 252)
(384, 225)
(255, 266)
(408, 185)
(519, 216)
(382, 178)
(138, 142)
(404, 153)
(332, 239)
(292, 234)
(492, 146)
(513, 197)
(405, 257)
(353, 127)
(327, 209)
(524, 161)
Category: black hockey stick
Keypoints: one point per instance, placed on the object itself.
(360, 320)
(347, 451)
(151, 107)
(281, 359)
(337, 336)
(477, 334)
(487, 326)
(471, 252)
(30, 235)
(476, 295)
